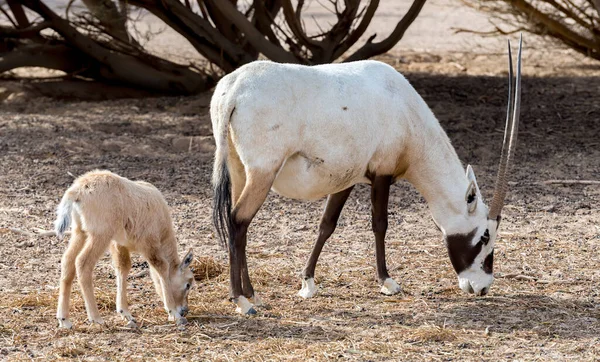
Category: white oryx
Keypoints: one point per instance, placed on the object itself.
(307, 132)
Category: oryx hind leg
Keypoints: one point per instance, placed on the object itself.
(254, 193)
(238, 182)
(380, 192)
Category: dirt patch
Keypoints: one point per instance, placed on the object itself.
(544, 304)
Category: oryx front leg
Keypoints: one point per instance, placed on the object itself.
(67, 264)
(94, 247)
(333, 209)
(122, 264)
(380, 192)
(258, 184)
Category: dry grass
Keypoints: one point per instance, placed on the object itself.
(544, 304)
(206, 268)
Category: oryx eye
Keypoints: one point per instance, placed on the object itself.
(187, 286)
(485, 238)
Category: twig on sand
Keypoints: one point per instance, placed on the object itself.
(519, 277)
(42, 232)
(38, 233)
(570, 182)
(141, 274)
(20, 231)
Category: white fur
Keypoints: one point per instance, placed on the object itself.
(309, 288)
(65, 323)
(390, 287)
(475, 279)
(243, 305)
(321, 129)
(256, 301)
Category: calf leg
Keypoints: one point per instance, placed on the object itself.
(122, 264)
(67, 266)
(333, 209)
(258, 184)
(159, 268)
(380, 192)
(86, 260)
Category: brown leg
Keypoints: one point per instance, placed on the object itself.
(238, 182)
(67, 265)
(331, 215)
(380, 192)
(252, 197)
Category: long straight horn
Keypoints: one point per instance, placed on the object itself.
(510, 143)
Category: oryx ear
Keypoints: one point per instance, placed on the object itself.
(187, 260)
(472, 191)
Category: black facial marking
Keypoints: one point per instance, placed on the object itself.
(488, 264)
(462, 254)
(470, 198)
(485, 238)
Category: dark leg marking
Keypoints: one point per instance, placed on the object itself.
(247, 289)
(380, 192)
(331, 215)
(237, 252)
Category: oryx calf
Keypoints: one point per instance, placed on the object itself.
(307, 132)
(110, 211)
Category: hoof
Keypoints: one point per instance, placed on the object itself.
(309, 289)
(256, 301)
(131, 324)
(64, 323)
(251, 311)
(98, 321)
(390, 287)
(243, 306)
(181, 321)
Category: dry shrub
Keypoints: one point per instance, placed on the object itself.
(5, 331)
(31, 300)
(206, 268)
(430, 333)
(74, 349)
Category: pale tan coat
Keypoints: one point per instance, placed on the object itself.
(108, 211)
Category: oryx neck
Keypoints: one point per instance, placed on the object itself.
(437, 173)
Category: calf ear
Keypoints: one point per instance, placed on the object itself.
(187, 260)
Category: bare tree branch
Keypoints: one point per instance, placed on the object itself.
(58, 57)
(359, 31)
(371, 49)
(109, 16)
(153, 74)
(267, 48)
(568, 36)
(18, 12)
(24, 32)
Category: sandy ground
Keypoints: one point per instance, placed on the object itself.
(544, 304)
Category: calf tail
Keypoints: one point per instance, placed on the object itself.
(63, 215)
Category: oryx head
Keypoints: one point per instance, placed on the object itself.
(472, 253)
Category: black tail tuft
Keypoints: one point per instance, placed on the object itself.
(222, 205)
